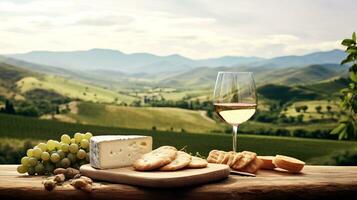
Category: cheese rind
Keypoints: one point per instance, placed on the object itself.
(114, 151)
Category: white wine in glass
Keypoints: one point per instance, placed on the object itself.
(235, 99)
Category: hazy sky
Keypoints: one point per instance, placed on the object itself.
(193, 28)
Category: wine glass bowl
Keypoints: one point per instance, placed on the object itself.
(235, 99)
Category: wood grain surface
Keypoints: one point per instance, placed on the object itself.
(159, 179)
(316, 182)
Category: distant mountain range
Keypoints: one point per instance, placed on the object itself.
(107, 59)
(324, 57)
(114, 68)
(205, 76)
(130, 63)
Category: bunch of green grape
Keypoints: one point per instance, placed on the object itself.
(44, 158)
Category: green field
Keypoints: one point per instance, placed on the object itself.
(168, 93)
(311, 112)
(174, 119)
(250, 126)
(306, 149)
(73, 89)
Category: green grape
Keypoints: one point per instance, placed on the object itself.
(55, 157)
(82, 162)
(25, 161)
(73, 148)
(87, 135)
(64, 147)
(32, 162)
(87, 158)
(61, 153)
(22, 169)
(37, 152)
(51, 145)
(73, 141)
(58, 144)
(29, 152)
(45, 156)
(81, 154)
(49, 167)
(66, 139)
(75, 166)
(31, 171)
(78, 137)
(65, 162)
(40, 169)
(58, 165)
(72, 157)
(84, 143)
(42, 146)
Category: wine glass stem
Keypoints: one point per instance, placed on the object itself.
(235, 129)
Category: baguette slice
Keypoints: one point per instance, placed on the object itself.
(288, 163)
(267, 162)
(213, 156)
(226, 158)
(247, 158)
(253, 166)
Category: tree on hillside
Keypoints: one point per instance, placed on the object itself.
(304, 108)
(298, 108)
(300, 118)
(328, 108)
(9, 107)
(318, 109)
(347, 128)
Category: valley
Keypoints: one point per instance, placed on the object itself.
(148, 118)
(167, 97)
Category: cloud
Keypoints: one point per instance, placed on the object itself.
(17, 30)
(108, 20)
(194, 28)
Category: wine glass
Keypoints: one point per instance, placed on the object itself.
(235, 99)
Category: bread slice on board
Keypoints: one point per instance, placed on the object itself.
(267, 162)
(288, 163)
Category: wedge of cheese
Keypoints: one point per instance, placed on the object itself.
(114, 151)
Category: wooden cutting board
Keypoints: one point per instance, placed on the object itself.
(158, 179)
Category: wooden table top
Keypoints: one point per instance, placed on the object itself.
(316, 182)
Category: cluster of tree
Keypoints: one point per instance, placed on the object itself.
(38, 102)
(8, 108)
(301, 108)
(154, 128)
(276, 117)
(322, 134)
(183, 103)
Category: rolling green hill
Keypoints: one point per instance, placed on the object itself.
(286, 93)
(16, 80)
(174, 119)
(16, 127)
(9, 75)
(311, 112)
(28, 66)
(301, 75)
(72, 89)
(328, 87)
(204, 77)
